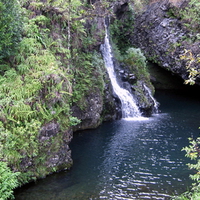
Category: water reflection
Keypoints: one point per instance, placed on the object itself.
(140, 162)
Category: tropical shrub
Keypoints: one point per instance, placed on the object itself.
(8, 181)
(11, 24)
(135, 59)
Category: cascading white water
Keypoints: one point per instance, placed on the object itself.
(129, 107)
(156, 104)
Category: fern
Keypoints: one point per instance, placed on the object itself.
(8, 181)
(37, 90)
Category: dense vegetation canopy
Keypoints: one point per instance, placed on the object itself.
(11, 25)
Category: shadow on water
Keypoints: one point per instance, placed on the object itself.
(127, 159)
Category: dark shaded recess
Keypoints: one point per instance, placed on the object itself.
(121, 10)
(163, 79)
(91, 1)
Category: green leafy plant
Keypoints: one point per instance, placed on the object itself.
(11, 24)
(74, 121)
(18, 140)
(192, 63)
(137, 62)
(8, 181)
(191, 15)
(121, 29)
(88, 76)
(192, 152)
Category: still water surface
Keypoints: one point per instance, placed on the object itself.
(127, 159)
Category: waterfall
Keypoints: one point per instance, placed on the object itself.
(156, 104)
(129, 107)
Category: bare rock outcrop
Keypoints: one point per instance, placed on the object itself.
(161, 34)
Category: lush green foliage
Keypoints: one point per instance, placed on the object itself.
(42, 76)
(135, 59)
(193, 152)
(35, 90)
(121, 29)
(191, 15)
(88, 76)
(8, 181)
(18, 140)
(11, 24)
(136, 63)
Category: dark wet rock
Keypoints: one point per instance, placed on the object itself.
(90, 114)
(97, 108)
(128, 81)
(161, 37)
(55, 145)
(112, 105)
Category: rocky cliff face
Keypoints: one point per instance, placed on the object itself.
(97, 108)
(58, 156)
(162, 36)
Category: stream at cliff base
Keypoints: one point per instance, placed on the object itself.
(127, 159)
